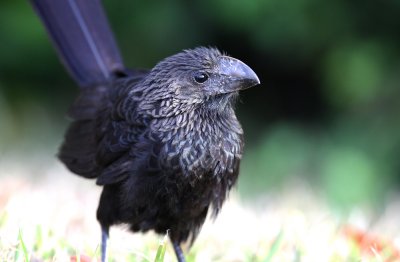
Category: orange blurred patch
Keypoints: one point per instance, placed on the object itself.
(370, 244)
(82, 258)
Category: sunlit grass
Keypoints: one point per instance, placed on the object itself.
(162, 247)
(53, 219)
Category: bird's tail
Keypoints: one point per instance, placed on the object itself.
(82, 36)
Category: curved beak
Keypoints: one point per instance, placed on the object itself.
(238, 75)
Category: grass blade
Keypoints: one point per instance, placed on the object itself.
(274, 247)
(24, 250)
(161, 249)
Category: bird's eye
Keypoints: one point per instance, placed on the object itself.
(200, 77)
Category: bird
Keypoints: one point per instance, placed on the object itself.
(164, 143)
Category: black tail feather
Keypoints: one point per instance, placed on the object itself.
(82, 36)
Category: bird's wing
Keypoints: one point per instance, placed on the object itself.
(96, 138)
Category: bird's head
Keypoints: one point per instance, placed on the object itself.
(201, 77)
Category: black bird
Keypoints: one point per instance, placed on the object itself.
(165, 144)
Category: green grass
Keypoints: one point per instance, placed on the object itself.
(42, 253)
(273, 250)
(47, 248)
(22, 248)
(162, 247)
(50, 221)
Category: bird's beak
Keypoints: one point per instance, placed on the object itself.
(238, 75)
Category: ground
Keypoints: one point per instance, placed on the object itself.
(51, 217)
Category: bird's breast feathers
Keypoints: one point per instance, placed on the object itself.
(199, 146)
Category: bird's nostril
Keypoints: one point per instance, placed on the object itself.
(120, 73)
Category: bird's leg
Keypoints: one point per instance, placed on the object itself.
(104, 238)
(178, 251)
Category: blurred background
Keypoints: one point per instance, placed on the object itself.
(326, 114)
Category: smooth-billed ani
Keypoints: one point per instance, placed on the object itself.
(164, 143)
